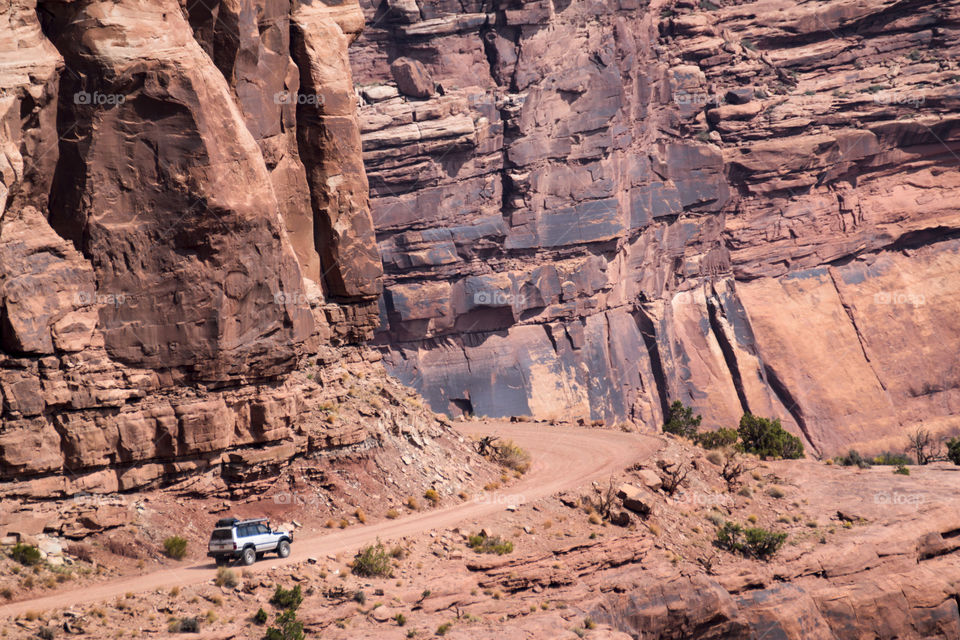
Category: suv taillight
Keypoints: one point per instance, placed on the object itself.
(234, 546)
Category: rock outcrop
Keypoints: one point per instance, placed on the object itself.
(747, 206)
(184, 222)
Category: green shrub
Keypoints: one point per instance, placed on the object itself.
(184, 625)
(902, 470)
(442, 629)
(287, 598)
(681, 421)
(287, 627)
(753, 542)
(26, 554)
(260, 617)
(717, 439)
(432, 495)
(768, 439)
(484, 544)
(892, 459)
(373, 561)
(953, 450)
(175, 547)
(852, 459)
(400, 619)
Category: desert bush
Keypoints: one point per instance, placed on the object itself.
(902, 470)
(923, 446)
(226, 578)
(852, 459)
(509, 455)
(26, 554)
(673, 478)
(260, 617)
(481, 543)
(432, 495)
(286, 598)
(681, 421)
(175, 547)
(47, 633)
(393, 514)
(444, 628)
(372, 561)
(717, 439)
(754, 542)
(400, 619)
(122, 548)
(287, 627)
(953, 450)
(892, 459)
(80, 551)
(768, 439)
(187, 624)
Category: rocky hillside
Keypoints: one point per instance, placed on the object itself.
(591, 209)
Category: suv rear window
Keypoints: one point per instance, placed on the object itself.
(221, 534)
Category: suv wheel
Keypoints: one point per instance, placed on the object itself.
(283, 549)
(249, 556)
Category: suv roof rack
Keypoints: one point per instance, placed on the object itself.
(232, 522)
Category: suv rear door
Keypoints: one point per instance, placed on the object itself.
(221, 540)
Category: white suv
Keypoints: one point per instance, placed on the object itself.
(246, 540)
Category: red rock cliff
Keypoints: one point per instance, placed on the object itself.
(593, 208)
(183, 218)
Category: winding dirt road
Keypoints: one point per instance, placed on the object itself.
(563, 458)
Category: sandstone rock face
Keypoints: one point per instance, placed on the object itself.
(183, 220)
(748, 206)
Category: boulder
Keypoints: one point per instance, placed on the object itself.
(636, 499)
(412, 78)
(650, 479)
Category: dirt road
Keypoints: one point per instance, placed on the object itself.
(563, 458)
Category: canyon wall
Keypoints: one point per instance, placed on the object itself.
(583, 209)
(184, 225)
(590, 209)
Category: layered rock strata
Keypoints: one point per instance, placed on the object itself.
(603, 207)
(183, 223)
